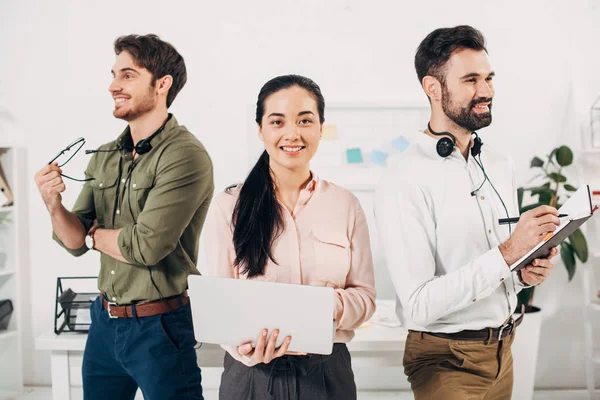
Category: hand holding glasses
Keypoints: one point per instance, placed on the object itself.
(69, 152)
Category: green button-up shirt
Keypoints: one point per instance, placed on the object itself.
(161, 206)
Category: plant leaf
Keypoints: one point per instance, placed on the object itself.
(564, 156)
(568, 258)
(546, 198)
(536, 162)
(541, 189)
(570, 188)
(579, 245)
(524, 297)
(556, 177)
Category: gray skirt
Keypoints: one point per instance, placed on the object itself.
(311, 377)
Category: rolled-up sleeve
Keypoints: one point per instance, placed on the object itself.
(355, 303)
(184, 180)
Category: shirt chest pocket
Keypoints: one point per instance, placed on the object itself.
(104, 187)
(332, 257)
(140, 187)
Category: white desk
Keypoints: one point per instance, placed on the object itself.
(370, 339)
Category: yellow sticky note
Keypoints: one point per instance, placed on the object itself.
(329, 132)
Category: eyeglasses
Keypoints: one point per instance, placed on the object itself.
(68, 153)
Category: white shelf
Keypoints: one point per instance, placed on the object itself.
(14, 245)
(8, 334)
(594, 304)
(6, 272)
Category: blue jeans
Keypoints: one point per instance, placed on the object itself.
(153, 353)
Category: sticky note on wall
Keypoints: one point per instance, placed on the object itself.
(329, 132)
(400, 143)
(378, 157)
(354, 156)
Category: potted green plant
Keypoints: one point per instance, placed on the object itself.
(553, 189)
(550, 188)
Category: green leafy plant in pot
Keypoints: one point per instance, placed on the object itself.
(553, 190)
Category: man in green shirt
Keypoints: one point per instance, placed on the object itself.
(143, 208)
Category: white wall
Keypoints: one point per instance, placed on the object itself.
(54, 74)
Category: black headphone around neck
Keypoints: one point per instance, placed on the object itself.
(142, 147)
(445, 146)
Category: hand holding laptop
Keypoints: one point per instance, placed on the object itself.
(265, 350)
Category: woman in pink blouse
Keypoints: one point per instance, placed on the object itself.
(284, 224)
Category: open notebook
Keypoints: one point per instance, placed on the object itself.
(579, 209)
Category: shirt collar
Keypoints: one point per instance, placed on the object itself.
(428, 145)
(125, 136)
(308, 190)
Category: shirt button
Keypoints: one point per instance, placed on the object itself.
(123, 180)
(482, 197)
(489, 231)
(112, 272)
(118, 212)
(101, 184)
(474, 300)
(134, 185)
(114, 299)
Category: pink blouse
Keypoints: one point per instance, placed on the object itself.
(325, 243)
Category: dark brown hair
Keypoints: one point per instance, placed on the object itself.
(158, 57)
(435, 50)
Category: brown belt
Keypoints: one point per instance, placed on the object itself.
(483, 334)
(145, 309)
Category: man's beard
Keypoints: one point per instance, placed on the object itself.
(144, 106)
(466, 117)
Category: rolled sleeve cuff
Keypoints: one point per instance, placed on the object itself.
(494, 267)
(519, 281)
(87, 224)
(124, 243)
(74, 252)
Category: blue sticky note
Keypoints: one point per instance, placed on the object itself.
(400, 143)
(354, 156)
(378, 157)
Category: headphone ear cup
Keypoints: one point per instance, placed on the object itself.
(143, 147)
(444, 147)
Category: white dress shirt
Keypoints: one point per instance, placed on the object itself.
(441, 243)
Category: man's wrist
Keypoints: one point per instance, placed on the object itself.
(520, 277)
(506, 250)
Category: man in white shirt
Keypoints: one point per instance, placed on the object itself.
(437, 213)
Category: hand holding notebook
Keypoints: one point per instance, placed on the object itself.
(578, 210)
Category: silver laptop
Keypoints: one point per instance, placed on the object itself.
(235, 311)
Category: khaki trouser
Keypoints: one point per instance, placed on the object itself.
(447, 369)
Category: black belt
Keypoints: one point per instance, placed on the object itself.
(491, 334)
